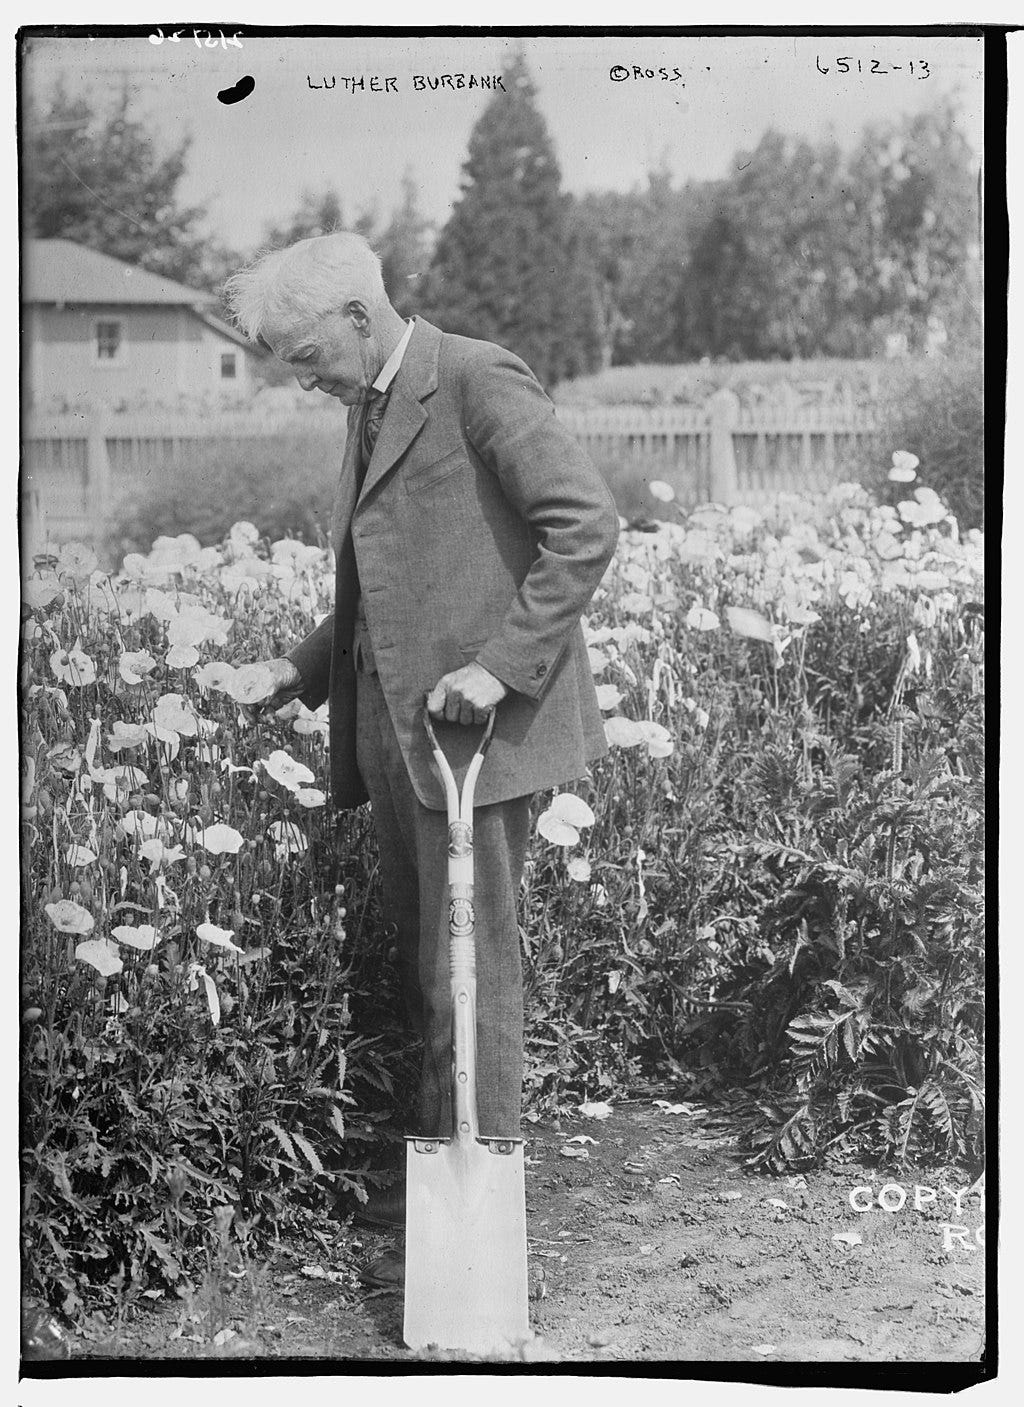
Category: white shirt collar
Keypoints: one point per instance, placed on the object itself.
(390, 368)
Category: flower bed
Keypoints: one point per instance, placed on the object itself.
(771, 887)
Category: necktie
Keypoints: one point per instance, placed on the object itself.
(373, 418)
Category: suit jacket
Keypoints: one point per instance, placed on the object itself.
(481, 532)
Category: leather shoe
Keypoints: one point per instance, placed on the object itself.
(387, 1272)
(384, 1207)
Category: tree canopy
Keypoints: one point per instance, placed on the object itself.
(97, 177)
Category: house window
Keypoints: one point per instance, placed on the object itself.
(109, 341)
(228, 366)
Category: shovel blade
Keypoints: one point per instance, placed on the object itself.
(465, 1245)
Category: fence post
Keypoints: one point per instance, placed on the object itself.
(98, 477)
(724, 407)
(33, 521)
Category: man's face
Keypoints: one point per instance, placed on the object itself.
(326, 354)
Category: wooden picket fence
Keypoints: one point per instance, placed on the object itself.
(75, 467)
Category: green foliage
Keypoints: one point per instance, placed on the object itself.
(804, 934)
(936, 410)
(404, 249)
(763, 281)
(219, 482)
(639, 245)
(801, 251)
(317, 214)
(779, 900)
(197, 1091)
(818, 381)
(97, 177)
(503, 268)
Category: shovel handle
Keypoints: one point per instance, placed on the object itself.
(462, 925)
(459, 810)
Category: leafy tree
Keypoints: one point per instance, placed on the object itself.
(98, 178)
(317, 214)
(640, 244)
(404, 249)
(764, 278)
(500, 270)
(611, 228)
(805, 253)
(912, 207)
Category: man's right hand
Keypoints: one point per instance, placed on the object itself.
(284, 683)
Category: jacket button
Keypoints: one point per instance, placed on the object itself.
(542, 669)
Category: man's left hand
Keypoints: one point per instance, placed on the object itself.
(466, 695)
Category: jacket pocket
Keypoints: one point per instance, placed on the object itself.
(429, 474)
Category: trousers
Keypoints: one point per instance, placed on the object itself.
(413, 845)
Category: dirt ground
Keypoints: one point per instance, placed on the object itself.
(655, 1245)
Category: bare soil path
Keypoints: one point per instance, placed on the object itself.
(655, 1245)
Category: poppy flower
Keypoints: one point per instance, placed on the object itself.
(752, 624)
(182, 656)
(80, 855)
(561, 822)
(134, 665)
(310, 797)
(126, 735)
(174, 714)
(288, 839)
(698, 618)
(69, 917)
(218, 937)
(904, 467)
(101, 954)
(608, 697)
(286, 770)
(143, 937)
(219, 839)
(251, 684)
(73, 667)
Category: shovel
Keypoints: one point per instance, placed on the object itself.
(465, 1230)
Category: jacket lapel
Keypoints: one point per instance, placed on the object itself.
(405, 417)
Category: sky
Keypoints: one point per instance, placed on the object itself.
(250, 161)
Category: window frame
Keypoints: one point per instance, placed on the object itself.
(118, 359)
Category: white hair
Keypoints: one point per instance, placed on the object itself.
(300, 284)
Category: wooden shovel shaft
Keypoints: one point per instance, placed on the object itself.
(462, 928)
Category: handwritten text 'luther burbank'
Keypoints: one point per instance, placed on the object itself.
(421, 82)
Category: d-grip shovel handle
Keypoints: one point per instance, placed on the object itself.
(462, 926)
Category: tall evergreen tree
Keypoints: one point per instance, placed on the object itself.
(501, 267)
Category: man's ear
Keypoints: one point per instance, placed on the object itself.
(359, 315)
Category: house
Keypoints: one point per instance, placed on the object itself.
(100, 334)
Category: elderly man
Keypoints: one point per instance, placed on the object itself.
(470, 533)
